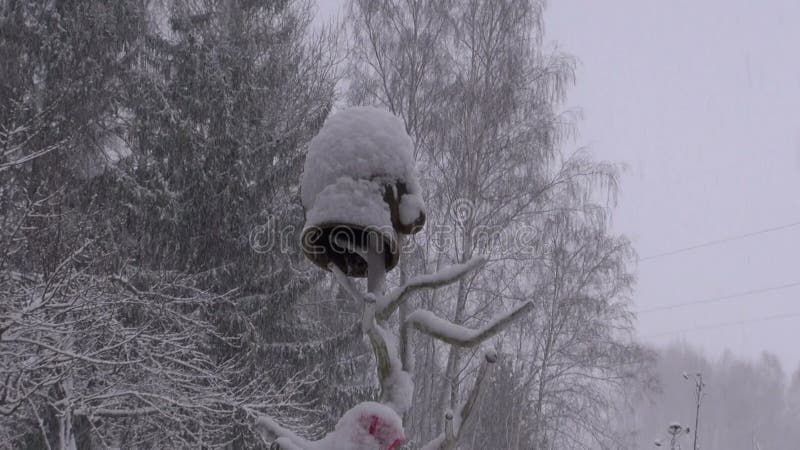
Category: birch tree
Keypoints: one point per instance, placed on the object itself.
(574, 358)
(481, 101)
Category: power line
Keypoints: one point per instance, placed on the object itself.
(720, 298)
(720, 241)
(725, 324)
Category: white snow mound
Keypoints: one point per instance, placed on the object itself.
(356, 202)
(359, 143)
(411, 207)
(366, 426)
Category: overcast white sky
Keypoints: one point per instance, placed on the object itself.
(701, 100)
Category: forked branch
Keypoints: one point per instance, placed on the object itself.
(389, 303)
(395, 381)
(460, 336)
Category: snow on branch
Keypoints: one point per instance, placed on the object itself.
(446, 331)
(106, 412)
(396, 384)
(113, 349)
(392, 300)
(286, 438)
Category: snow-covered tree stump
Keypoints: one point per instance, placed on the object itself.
(360, 191)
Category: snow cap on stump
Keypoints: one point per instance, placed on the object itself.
(359, 179)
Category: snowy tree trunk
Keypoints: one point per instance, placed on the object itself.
(406, 352)
(376, 267)
(452, 386)
(66, 436)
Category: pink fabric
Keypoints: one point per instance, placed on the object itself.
(388, 436)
